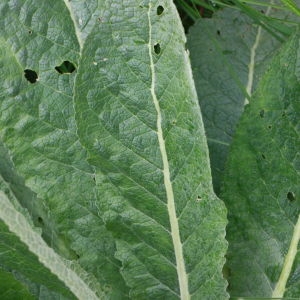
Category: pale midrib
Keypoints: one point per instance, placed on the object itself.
(288, 263)
(18, 224)
(251, 65)
(77, 31)
(181, 272)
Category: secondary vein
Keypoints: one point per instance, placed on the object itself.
(180, 265)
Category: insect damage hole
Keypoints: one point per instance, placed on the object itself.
(65, 68)
(31, 75)
(160, 9)
(157, 48)
(40, 220)
(262, 113)
(291, 196)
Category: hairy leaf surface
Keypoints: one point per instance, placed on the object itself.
(99, 122)
(261, 186)
(142, 129)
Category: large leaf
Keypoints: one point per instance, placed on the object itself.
(228, 54)
(39, 131)
(261, 186)
(113, 153)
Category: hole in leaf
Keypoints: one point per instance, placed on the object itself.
(199, 198)
(284, 114)
(31, 75)
(30, 31)
(218, 32)
(270, 126)
(65, 68)
(157, 48)
(262, 113)
(160, 10)
(40, 220)
(291, 196)
(263, 156)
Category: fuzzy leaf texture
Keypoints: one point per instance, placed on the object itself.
(109, 160)
(261, 186)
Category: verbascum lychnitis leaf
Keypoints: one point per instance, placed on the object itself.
(139, 120)
(38, 129)
(100, 124)
(261, 186)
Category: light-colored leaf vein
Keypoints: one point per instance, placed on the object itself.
(178, 249)
(18, 224)
(288, 263)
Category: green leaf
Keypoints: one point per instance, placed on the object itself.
(12, 288)
(112, 155)
(228, 55)
(261, 186)
(39, 132)
(139, 120)
(24, 255)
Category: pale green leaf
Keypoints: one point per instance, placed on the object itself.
(261, 186)
(113, 154)
(139, 120)
(38, 128)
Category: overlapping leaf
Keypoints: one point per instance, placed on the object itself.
(229, 53)
(261, 186)
(114, 153)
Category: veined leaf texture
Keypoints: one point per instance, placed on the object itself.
(106, 161)
(261, 186)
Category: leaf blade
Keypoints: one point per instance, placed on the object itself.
(265, 210)
(161, 111)
(229, 53)
(38, 130)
